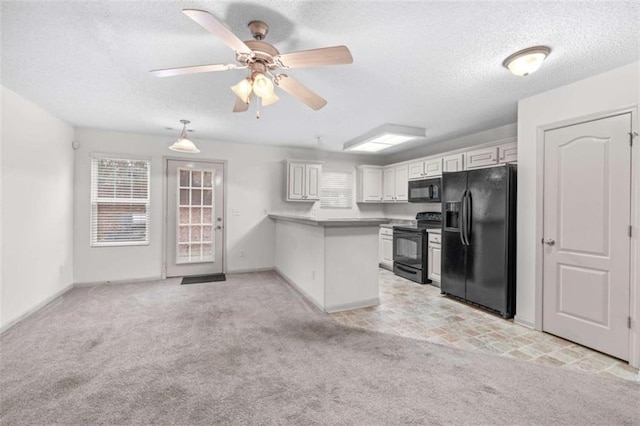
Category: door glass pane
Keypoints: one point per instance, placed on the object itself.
(195, 242)
(184, 178)
(207, 180)
(196, 179)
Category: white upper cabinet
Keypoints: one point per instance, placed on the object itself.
(402, 183)
(508, 152)
(303, 181)
(369, 184)
(482, 157)
(453, 163)
(425, 169)
(395, 183)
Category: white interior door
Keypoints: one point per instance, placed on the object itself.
(587, 200)
(195, 218)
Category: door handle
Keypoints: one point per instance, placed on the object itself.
(549, 242)
(467, 214)
(219, 227)
(461, 220)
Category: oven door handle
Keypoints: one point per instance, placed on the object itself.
(462, 222)
(405, 269)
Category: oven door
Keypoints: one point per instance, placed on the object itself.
(408, 248)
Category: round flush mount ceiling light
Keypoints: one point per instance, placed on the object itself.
(527, 60)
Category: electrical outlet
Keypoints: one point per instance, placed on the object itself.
(313, 274)
(235, 212)
(242, 253)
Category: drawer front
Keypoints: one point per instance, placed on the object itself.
(386, 231)
(435, 238)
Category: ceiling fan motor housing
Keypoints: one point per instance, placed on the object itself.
(259, 29)
(263, 51)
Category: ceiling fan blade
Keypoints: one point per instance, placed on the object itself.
(211, 24)
(300, 91)
(240, 105)
(168, 72)
(335, 55)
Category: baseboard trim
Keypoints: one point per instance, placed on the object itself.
(356, 305)
(247, 271)
(110, 282)
(36, 308)
(297, 288)
(523, 322)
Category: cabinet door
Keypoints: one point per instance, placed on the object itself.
(402, 183)
(296, 184)
(453, 163)
(387, 251)
(433, 168)
(312, 181)
(482, 157)
(389, 184)
(372, 185)
(436, 256)
(508, 153)
(416, 170)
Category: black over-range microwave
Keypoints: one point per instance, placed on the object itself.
(425, 190)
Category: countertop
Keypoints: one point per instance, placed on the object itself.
(331, 222)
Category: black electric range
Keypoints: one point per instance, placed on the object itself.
(410, 247)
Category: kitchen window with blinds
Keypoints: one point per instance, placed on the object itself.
(119, 202)
(336, 190)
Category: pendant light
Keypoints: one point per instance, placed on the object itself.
(526, 61)
(184, 144)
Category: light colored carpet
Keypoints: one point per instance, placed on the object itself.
(252, 351)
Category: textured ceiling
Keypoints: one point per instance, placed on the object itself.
(435, 65)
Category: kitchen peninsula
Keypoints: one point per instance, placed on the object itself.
(333, 262)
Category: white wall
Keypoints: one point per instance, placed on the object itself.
(37, 207)
(605, 92)
(254, 188)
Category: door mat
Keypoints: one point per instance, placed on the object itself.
(203, 279)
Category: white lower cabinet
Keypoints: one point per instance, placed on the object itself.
(434, 257)
(385, 248)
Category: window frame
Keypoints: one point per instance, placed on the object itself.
(94, 201)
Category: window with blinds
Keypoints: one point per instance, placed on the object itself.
(119, 202)
(336, 190)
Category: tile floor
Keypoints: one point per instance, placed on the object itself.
(421, 312)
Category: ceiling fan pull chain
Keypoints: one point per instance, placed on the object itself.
(258, 107)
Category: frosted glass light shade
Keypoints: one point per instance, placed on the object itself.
(262, 86)
(243, 90)
(270, 100)
(526, 61)
(184, 145)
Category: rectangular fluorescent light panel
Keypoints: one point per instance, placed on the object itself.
(384, 137)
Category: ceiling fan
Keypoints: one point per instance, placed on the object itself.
(262, 60)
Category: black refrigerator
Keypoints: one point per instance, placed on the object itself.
(479, 237)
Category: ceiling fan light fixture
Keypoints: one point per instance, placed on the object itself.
(270, 100)
(262, 86)
(243, 89)
(526, 61)
(384, 137)
(184, 144)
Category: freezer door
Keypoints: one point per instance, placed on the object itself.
(454, 186)
(487, 235)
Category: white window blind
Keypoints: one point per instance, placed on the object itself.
(337, 190)
(119, 202)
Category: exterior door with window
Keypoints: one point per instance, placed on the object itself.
(587, 175)
(195, 218)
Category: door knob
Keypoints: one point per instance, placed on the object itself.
(549, 242)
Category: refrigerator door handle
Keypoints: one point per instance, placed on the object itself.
(467, 214)
(462, 222)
